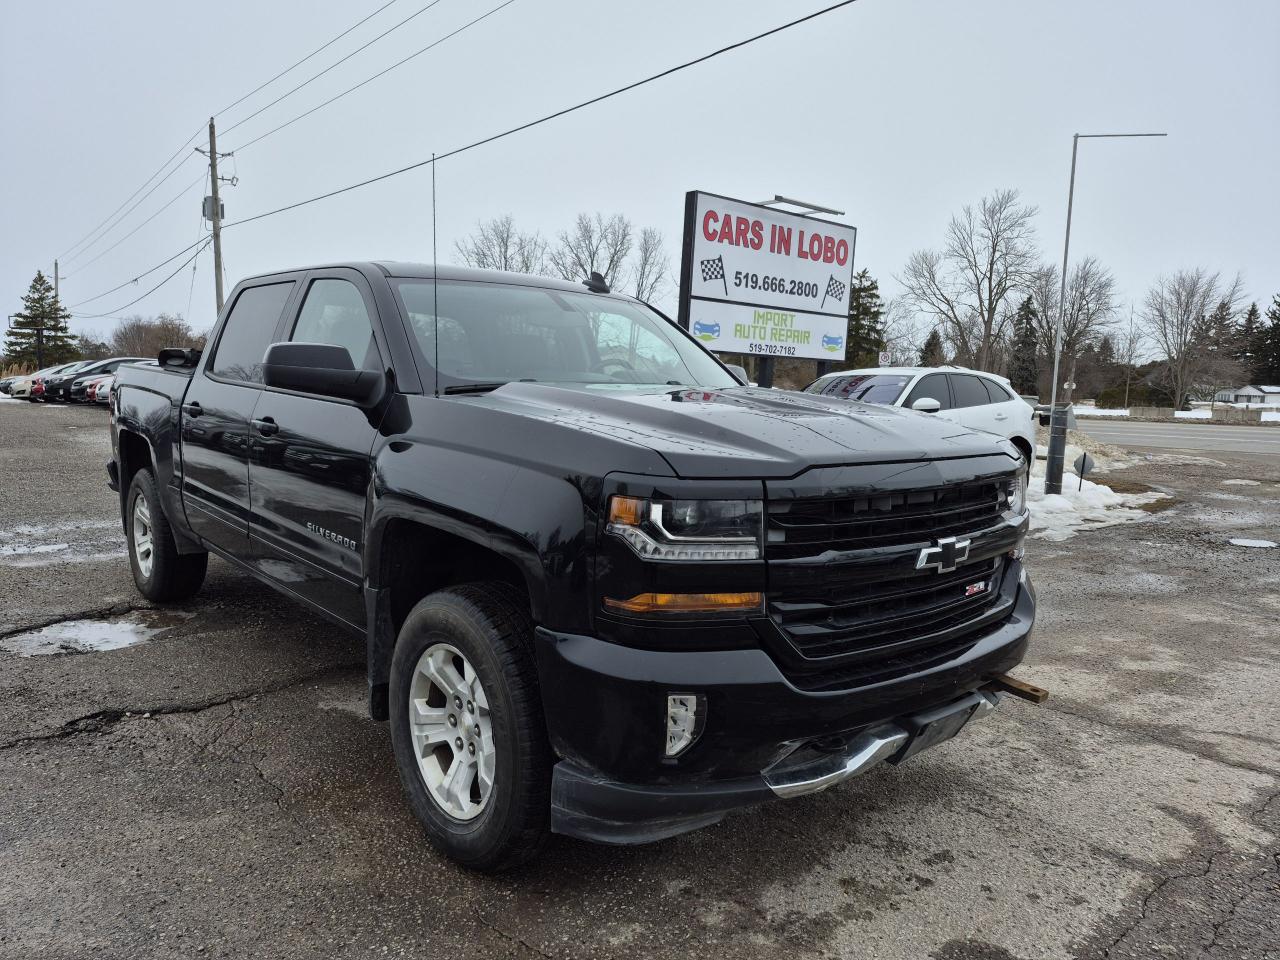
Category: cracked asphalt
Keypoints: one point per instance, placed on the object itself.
(217, 790)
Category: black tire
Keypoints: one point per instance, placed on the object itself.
(490, 625)
(173, 575)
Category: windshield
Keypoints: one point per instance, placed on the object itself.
(493, 333)
(869, 388)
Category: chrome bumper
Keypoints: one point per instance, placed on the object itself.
(864, 751)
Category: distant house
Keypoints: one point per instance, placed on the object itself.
(1262, 396)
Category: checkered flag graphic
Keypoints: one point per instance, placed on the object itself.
(834, 289)
(713, 269)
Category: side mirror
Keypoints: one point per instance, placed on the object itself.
(739, 372)
(320, 368)
(926, 405)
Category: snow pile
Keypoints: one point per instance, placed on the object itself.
(1193, 414)
(1105, 456)
(1086, 506)
(1271, 416)
(1100, 412)
(1245, 542)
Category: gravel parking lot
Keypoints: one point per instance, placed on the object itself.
(217, 790)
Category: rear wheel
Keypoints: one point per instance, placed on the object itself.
(160, 572)
(467, 727)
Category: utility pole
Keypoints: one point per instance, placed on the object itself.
(216, 214)
(55, 279)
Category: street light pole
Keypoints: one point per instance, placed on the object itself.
(1058, 415)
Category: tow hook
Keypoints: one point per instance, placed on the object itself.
(1018, 688)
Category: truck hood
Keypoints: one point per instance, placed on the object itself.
(745, 431)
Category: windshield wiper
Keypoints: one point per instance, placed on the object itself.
(474, 387)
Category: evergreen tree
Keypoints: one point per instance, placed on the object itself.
(40, 309)
(932, 354)
(1250, 340)
(865, 337)
(1024, 360)
(1266, 359)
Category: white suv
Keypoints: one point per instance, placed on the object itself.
(981, 401)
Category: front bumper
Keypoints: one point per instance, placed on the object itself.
(604, 705)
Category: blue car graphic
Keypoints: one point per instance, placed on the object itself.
(832, 343)
(706, 331)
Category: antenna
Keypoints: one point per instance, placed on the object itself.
(435, 281)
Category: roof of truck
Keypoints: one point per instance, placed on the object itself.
(426, 271)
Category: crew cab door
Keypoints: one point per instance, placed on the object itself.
(310, 467)
(215, 416)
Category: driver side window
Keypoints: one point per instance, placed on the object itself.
(934, 386)
(622, 344)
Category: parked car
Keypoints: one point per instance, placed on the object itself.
(57, 386)
(90, 388)
(605, 589)
(6, 383)
(24, 387)
(979, 400)
(76, 391)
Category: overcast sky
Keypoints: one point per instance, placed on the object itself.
(896, 111)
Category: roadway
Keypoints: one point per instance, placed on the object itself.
(1189, 436)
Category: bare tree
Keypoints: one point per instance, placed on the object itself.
(593, 245)
(1130, 344)
(990, 253)
(1090, 310)
(498, 245)
(1177, 316)
(901, 331)
(138, 336)
(651, 267)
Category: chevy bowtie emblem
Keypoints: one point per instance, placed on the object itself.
(944, 556)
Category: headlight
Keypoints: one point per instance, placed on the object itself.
(1017, 494)
(688, 529)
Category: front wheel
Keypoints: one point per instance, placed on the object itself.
(160, 572)
(467, 727)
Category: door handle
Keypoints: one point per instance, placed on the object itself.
(266, 426)
(1002, 416)
(192, 409)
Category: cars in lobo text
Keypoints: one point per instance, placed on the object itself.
(972, 398)
(605, 589)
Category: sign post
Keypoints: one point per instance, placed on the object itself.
(763, 282)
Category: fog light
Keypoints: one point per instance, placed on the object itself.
(684, 721)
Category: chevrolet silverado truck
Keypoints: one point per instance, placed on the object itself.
(605, 589)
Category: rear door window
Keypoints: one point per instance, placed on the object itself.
(933, 386)
(249, 330)
(999, 392)
(969, 391)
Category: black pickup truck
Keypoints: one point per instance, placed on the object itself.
(607, 590)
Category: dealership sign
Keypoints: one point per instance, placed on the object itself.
(757, 280)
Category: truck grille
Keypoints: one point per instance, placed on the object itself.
(850, 607)
(803, 527)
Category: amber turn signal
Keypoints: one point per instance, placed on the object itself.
(628, 511)
(688, 603)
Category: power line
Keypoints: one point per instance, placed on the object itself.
(289, 93)
(550, 116)
(191, 139)
(380, 73)
(176, 154)
(110, 313)
(182, 193)
(487, 140)
(133, 280)
(318, 49)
